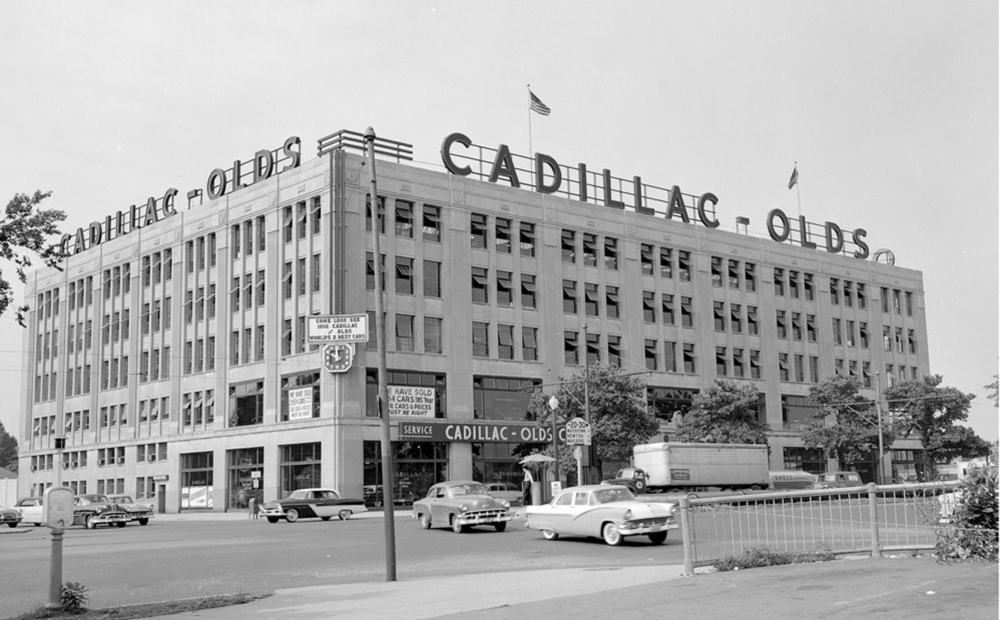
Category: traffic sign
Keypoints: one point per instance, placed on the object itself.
(337, 357)
(337, 328)
(578, 432)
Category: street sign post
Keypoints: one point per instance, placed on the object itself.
(337, 328)
(578, 432)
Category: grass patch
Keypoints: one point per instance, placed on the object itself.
(145, 610)
(756, 557)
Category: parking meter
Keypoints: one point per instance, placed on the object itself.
(57, 507)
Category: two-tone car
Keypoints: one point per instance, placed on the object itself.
(136, 512)
(611, 512)
(31, 510)
(461, 504)
(94, 509)
(312, 504)
(10, 516)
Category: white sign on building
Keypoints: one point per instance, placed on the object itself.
(411, 402)
(300, 403)
(337, 328)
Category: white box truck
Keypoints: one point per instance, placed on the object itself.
(668, 466)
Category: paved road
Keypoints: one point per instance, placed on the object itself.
(184, 556)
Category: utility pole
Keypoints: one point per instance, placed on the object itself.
(878, 410)
(388, 477)
(587, 450)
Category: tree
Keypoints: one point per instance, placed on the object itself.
(24, 231)
(994, 390)
(618, 416)
(930, 411)
(8, 450)
(726, 412)
(845, 425)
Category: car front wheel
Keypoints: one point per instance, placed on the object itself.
(292, 515)
(549, 535)
(344, 515)
(143, 521)
(425, 522)
(12, 525)
(272, 519)
(500, 526)
(611, 535)
(456, 527)
(121, 524)
(89, 522)
(658, 538)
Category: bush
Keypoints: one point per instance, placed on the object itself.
(74, 597)
(971, 531)
(756, 557)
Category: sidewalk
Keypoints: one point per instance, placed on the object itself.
(889, 588)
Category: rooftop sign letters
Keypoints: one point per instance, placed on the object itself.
(220, 182)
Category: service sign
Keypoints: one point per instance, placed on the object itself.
(337, 328)
(411, 402)
(485, 432)
(300, 403)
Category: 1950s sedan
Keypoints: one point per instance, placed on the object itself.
(311, 504)
(136, 512)
(94, 509)
(460, 505)
(610, 512)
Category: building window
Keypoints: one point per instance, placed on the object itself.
(300, 468)
(687, 314)
(755, 371)
(615, 351)
(478, 231)
(568, 246)
(736, 318)
(646, 259)
(811, 327)
(837, 333)
(404, 219)
(666, 263)
(571, 348)
(505, 342)
(895, 302)
(717, 271)
(589, 250)
(404, 275)
(404, 332)
(610, 253)
(848, 294)
(651, 354)
(433, 335)
(480, 286)
(529, 344)
(780, 321)
(779, 281)
(503, 235)
(300, 396)
(432, 279)
(369, 273)
(527, 240)
(909, 303)
(569, 296)
(807, 286)
(649, 306)
(432, 223)
(797, 326)
(721, 362)
(591, 299)
(611, 302)
(246, 404)
(783, 374)
(684, 265)
(835, 291)
(480, 339)
(862, 296)
(528, 298)
(911, 340)
(738, 370)
(197, 476)
(899, 340)
(505, 289)
(849, 330)
(368, 215)
(689, 359)
(503, 398)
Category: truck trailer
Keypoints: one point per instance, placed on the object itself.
(668, 466)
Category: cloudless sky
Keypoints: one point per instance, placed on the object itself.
(889, 108)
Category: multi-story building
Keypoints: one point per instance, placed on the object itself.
(172, 351)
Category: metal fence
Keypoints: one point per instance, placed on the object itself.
(869, 519)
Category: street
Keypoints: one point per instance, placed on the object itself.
(169, 560)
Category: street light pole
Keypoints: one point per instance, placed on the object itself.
(586, 402)
(553, 405)
(878, 409)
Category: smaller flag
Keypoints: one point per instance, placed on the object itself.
(795, 177)
(538, 106)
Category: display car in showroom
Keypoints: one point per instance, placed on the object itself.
(10, 516)
(610, 512)
(136, 512)
(312, 504)
(94, 509)
(461, 504)
(505, 491)
(31, 510)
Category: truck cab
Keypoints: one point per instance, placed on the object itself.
(632, 477)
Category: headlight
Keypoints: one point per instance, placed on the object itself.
(506, 504)
(673, 509)
(627, 515)
(464, 507)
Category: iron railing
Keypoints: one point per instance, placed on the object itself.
(869, 519)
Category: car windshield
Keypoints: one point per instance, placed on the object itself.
(300, 494)
(93, 499)
(123, 499)
(466, 489)
(606, 496)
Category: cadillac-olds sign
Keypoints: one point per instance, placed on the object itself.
(485, 432)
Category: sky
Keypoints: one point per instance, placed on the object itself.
(888, 109)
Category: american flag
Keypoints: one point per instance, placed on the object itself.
(538, 106)
(795, 177)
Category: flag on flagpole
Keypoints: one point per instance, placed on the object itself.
(538, 106)
(795, 177)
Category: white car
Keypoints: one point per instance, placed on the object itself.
(31, 510)
(610, 512)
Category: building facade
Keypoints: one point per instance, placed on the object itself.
(173, 353)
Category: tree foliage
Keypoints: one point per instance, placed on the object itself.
(8, 450)
(25, 230)
(971, 533)
(926, 409)
(845, 425)
(726, 412)
(994, 390)
(618, 416)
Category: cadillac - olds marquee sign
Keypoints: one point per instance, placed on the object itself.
(220, 182)
(483, 432)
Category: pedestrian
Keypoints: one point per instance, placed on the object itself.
(526, 487)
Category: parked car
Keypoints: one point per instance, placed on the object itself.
(838, 480)
(92, 510)
(611, 512)
(373, 495)
(461, 504)
(312, 504)
(31, 510)
(136, 512)
(505, 491)
(10, 516)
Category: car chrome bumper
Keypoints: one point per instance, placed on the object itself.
(647, 529)
(112, 518)
(484, 519)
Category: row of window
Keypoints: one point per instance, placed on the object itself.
(404, 215)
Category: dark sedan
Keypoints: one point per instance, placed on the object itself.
(312, 503)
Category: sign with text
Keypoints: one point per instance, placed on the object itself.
(300, 403)
(337, 328)
(411, 401)
(485, 432)
(578, 432)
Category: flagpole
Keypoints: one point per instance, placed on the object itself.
(798, 196)
(530, 152)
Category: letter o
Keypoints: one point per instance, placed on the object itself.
(216, 184)
(778, 213)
